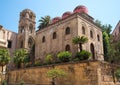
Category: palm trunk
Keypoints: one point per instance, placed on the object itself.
(80, 47)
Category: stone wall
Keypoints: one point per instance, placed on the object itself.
(79, 73)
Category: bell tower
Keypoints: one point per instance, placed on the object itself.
(26, 30)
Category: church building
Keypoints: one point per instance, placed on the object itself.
(57, 36)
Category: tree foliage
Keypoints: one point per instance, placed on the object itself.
(21, 56)
(64, 56)
(114, 54)
(83, 55)
(4, 57)
(80, 40)
(105, 27)
(106, 45)
(44, 21)
(117, 73)
(55, 73)
(49, 59)
(106, 30)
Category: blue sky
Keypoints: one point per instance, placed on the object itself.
(107, 11)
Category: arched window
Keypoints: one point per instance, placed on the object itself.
(67, 31)
(92, 50)
(83, 30)
(67, 48)
(43, 39)
(31, 28)
(91, 34)
(54, 35)
(98, 37)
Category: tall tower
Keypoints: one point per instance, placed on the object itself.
(26, 30)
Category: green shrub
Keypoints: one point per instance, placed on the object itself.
(64, 56)
(117, 73)
(83, 55)
(76, 59)
(22, 83)
(37, 63)
(54, 73)
(49, 59)
(4, 82)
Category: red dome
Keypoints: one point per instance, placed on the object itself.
(55, 19)
(81, 9)
(66, 14)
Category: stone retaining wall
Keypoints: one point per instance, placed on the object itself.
(80, 73)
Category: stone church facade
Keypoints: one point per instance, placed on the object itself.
(58, 35)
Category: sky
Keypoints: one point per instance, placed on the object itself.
(107, 11)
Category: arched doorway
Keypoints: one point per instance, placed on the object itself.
(31, 45)
(92, 51)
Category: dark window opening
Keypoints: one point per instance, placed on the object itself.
(83, 30)
(67, 48)
(91, 34)
(9, 44)
(43, 39)
(92, 50)
(98, 37)
(54, 35)
(67, 31)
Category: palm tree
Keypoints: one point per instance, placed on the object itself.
(44, 21)
(20, 56)
(4, 58)
(80, 40)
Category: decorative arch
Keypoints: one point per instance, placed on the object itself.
(92, 49)
(30, 42)
(67, 30)
(67, 47)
